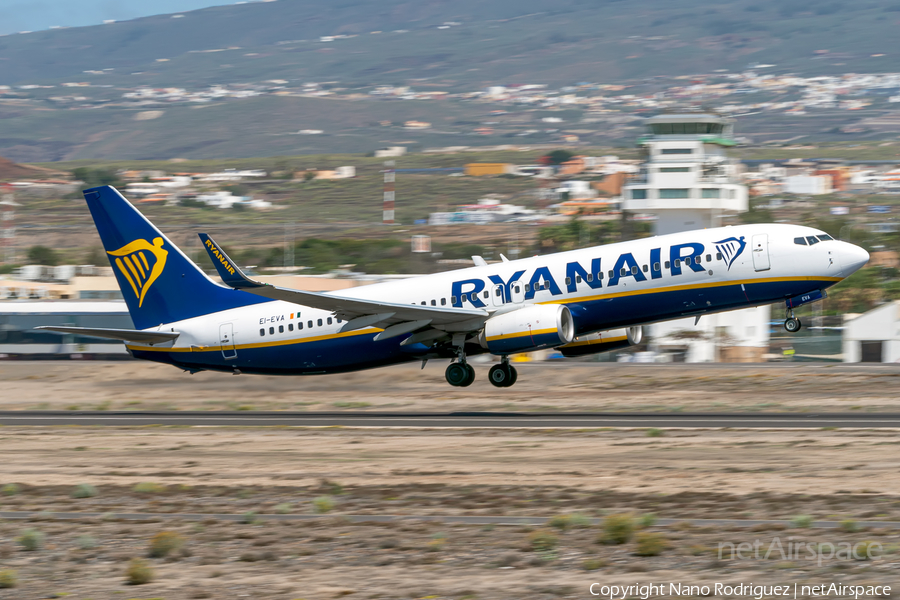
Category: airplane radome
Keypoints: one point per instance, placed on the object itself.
(580, 302)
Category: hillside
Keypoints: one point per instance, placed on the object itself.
(350, 48)
(502, 41)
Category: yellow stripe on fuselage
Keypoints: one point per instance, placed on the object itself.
(319, 338)
(690, 286)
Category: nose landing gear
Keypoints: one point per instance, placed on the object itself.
(791, 323)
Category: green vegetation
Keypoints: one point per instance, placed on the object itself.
(148, 487)
(42, 255)
(10, 489)
(165, 543)
(86, 542)
(802, 521)
(84, 490)
(617, 529)
(323, 504)
(654, 432)
(849, 526)
(138, 572)
(647, 520)
(96, 177)
(8, 579)
(31, 540)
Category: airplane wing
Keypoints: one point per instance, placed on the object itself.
(402, 318)
(125, 335)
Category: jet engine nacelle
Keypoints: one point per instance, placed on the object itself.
(530, 328)
(603, 341)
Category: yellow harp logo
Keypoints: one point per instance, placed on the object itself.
(141, 263)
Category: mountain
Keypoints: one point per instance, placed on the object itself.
(353, 45)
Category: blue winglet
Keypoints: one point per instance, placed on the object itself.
(229, 272)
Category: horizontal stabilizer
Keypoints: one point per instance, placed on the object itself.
(125, 335)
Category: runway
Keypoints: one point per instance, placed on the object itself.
(485, 420)
(388, 518)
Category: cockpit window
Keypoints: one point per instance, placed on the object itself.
(800, 241)
(825, 237)
(812, 240)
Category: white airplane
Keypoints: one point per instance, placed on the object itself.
(580, 302)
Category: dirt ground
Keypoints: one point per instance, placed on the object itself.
(743, 474)
(587, 386)
(847, 475)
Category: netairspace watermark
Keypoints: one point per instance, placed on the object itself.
(799, 550)
(748, 590)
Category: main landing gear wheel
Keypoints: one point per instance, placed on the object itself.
(502, 375)
(792, 324)
(460, 374)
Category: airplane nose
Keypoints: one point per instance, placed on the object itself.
(853, 258)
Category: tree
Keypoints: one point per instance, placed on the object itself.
(95, 177)
(42, 255)
(96, 257)
(557, 157)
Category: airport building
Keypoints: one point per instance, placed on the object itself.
(873, 336)
(687, 181)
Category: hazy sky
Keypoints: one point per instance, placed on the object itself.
(34, 15)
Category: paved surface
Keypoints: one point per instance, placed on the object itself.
(455, 420)
(449, 519)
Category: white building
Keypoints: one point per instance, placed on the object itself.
(812, 185)
(688, 182)
(873, 336)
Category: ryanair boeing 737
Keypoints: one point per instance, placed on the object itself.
(579, 302)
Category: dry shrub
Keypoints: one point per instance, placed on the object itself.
(650, 544)
(164, 543)
(542, 540)
(617, 529)
(138, 572)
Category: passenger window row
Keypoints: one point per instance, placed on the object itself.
(309, 324)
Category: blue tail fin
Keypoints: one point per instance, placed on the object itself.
(160, 284)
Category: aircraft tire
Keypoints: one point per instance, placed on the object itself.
(513, 376)
(457, 374)
(792, 325)
(470, 378)
(500, 376)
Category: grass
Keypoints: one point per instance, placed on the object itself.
(86, 542)
(11, 489)
(654, 432)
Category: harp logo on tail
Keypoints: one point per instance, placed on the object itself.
(141, 262)
(731, 248)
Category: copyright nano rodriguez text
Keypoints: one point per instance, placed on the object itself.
(749, 590)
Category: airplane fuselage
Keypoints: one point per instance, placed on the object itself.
(605, 287)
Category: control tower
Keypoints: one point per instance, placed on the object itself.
(687, 180)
